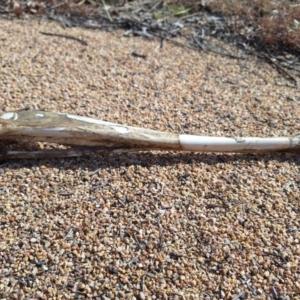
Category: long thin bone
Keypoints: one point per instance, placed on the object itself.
(67, 129)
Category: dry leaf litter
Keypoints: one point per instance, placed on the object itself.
(157, 225)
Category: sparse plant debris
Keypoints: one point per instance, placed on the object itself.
(240, 296)
(268, 29)
(270, 25)
(65, 36)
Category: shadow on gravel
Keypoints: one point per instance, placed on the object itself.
(148, 159)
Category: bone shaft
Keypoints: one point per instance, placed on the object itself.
(241, 145)
(67, 129)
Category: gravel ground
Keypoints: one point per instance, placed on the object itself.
(157, 225)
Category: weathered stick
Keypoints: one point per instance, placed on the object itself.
(97, 136)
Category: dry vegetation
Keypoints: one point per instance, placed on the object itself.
(267, 25)
(272, 25)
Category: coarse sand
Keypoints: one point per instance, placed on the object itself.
(149, 225)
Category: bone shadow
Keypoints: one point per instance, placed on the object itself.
(148, 159)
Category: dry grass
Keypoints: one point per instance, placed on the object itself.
(281, 30)
(268, 25)
(273, 25)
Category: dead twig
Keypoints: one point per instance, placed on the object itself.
(280, 69)
(241, 295)
(65, 36)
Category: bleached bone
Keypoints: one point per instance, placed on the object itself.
(96, 135)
